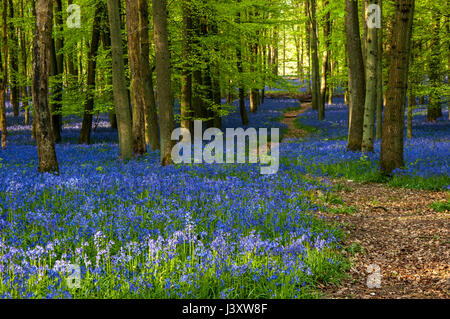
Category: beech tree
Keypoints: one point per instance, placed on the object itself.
(86, 126)
(121, 101)
(356, 78)
(163, 80)
(370, 106)
(137, 90)
(41, 68)
(4, 75)
(393, 125)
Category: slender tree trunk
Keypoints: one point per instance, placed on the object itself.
(73, 70)
(106, 39)
(186, 73)
(197, 84)
(121, 100)
(308, 49)
(380, 80)
(411, 105)
(447, 27)
(240, 68)
(393, 125)
(13, 61)
(163, 78)
(41, 68)
(86, 126)
(275, 51)
(434, 110)
(57, 64)
(254, 99)
(151, 117)
(316, 97)
(357, 85)
(137, 90)
(4, 69)
(23, 47)
(370, 105)
(325, 62)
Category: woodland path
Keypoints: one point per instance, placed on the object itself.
(396, 231)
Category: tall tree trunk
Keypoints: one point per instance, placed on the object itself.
(23, 47)
(186, 73)
(4, 72)
(434, 110)
(13, 61)
(73, 69)
(316, 97)
(275, 59)
(121, 100)
(41, 68)
(197, 84)
(380, 79)
(86, 126)
(254, 99)
(325, 62)
(393, 125)
(137, 90)
(308, 49)
(357, 85)
(106, 39)
(57, 66)
(151, 117)
(242, 110)
(370, 105)
(411, 105)
(447, 27)
(163, 79)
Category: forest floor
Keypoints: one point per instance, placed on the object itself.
(289, 120)
(393, 230)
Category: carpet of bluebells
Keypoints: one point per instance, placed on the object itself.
(324, 152)
(138, 230)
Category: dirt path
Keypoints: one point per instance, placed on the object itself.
(396, 231)
(289, 120)
(393, 232)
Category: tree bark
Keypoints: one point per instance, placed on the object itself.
(86, 126)
(434, 110)
(316, 97)
(380, 80)
(151, 117)
(57, 65)
(137, 90)
(325, 62)
(13, 61)
(163, 78)
(242, 110)
(121, 100)
(357, 85)
(370, 105)
(23, 47)
(186, 72)
(393, 125)
(4, 72)
(41, 68)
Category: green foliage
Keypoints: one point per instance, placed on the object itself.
(440, 207)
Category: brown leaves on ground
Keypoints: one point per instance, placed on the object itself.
(394, 229)
(397, 230)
